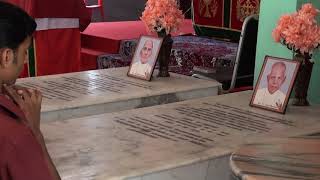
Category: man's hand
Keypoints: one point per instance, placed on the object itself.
(30, 103)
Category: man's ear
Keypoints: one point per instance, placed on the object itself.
(6, 57)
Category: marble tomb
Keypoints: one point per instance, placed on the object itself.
(108, 90)
(278, 159)
(179, 141)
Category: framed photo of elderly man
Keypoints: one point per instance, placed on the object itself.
(145, 57)
(274, 86)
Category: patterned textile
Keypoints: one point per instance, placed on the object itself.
(187, 52)
(222, 18)
(112, 60)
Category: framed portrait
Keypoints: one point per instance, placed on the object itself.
(145, 57)
(275, 83)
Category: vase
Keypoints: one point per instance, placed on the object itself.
(302, 80)
(164, 54)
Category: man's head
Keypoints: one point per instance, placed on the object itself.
(16, 29)
(146, 51)
(276, 77)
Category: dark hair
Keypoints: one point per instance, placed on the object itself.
(15, 26)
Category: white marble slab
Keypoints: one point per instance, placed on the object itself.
(278, 159)
(143, 142)
(108, 90)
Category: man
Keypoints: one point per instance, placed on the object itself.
(272, 96)
(142, 68)
(23, 153)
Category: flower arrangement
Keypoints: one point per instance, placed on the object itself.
(299, 31)
(162, 16)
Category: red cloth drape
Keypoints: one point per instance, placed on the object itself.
(209, 13)
(27, 5)
(57, 50)
(224, 14)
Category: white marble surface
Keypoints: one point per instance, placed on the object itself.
(139, 143)
(212, 169)
(108, 90)
(278, 159)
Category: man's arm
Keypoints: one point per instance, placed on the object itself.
(24, 158)
(30, 103)
(52, 169)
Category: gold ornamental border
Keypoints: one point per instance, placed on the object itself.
(257, 3)
(208, 26)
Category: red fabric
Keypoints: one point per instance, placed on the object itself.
(21, 156)
(105, 37)
(27, 5)
(89, 59)
(240, 9)
(99, 43)
(211, 15)
(62, 9)
(58, 51)
(129, 29)
(56, 9)
(25, 72)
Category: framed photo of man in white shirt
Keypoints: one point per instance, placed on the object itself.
(145, 57)
(275, 83)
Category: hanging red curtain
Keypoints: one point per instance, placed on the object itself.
(57, 38)
(222, 18)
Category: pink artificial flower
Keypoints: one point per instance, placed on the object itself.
(299, 31)
(162, 14)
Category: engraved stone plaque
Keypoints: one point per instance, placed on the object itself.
(108, 90)
(201, 125)
(147, 140)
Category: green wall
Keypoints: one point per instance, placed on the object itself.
(270, 11)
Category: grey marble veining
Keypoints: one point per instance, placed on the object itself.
(139, 143)
(108, 90)
(278, 159)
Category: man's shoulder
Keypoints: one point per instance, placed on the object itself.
(11, 127)
(15, 137)
(20, 151)
(11, 133)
